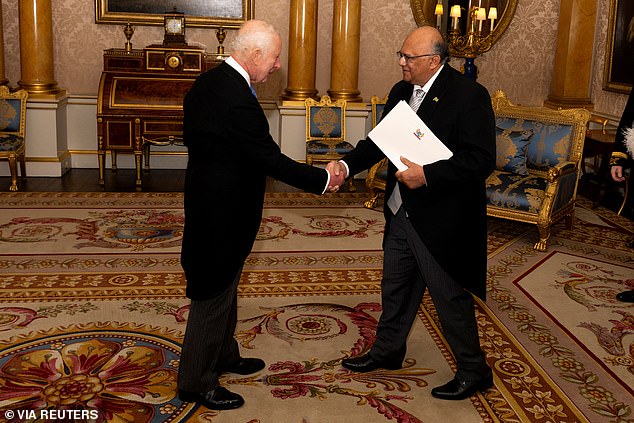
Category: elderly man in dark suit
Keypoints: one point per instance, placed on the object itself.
(435, 234)
(230, 154)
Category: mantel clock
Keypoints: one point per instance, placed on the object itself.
(174, 26)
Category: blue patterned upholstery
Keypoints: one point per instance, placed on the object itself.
(325, 130)
(12, 131)
(321, 148)
(550, 143)
(515, 192)
(538, 165)
(10, 142)
(511, 150)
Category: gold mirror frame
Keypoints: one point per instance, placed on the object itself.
(423, 11)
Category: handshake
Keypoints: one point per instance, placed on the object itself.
(338, 175)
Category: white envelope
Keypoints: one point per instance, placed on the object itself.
(402, 133)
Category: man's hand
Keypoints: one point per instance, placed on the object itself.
(617, 173)
(337, 175)
(413, 177)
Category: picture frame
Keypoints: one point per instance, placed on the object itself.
(198, 13)
(619, 56)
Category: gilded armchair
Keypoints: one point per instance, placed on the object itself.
(12, 131)
(377, 174)
(326, 131)
(538, 163)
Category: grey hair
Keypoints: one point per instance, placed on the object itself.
(254, 34)
(441, 48)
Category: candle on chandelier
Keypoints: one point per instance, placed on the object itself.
(481, 16)
(493, 15)
(438, 12)
(455, 14)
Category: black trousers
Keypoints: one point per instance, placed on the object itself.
(209, 345)
(408, 270)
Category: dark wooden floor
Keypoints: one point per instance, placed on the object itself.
(156, 180)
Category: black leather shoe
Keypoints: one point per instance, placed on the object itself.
(365, 363)
(216, 399)
(626, 296)
(245, 366)
(458, 389)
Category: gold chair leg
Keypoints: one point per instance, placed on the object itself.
(13, 168)
(544, 234)
(371, 202)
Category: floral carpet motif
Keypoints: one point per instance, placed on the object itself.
(92, 314)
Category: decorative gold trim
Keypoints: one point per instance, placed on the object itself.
(544, 219)
(105, 15)
(423, 15)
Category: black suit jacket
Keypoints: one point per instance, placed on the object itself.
(230, 154)
(449, 213)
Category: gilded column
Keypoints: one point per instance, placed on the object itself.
(302, 50)
(36, 47)
(344, 62)
(571, 81)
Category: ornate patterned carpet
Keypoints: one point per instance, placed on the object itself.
(92, 314)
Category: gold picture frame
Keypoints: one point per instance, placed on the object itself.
(198, 13)
(619, 55)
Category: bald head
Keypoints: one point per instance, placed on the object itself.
(424, 51)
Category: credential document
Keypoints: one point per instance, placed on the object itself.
(402, 133)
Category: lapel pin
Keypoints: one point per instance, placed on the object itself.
(436, 99)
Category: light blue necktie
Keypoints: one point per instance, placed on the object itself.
(395, 201)
(253, 91)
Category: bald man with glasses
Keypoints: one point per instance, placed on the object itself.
(435, 232)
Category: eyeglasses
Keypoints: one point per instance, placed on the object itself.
(409, 58)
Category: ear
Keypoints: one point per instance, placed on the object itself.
(256, 55)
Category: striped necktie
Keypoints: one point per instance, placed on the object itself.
(417, 99)
(395, 201)
(253, 91)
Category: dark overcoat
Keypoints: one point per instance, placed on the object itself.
(449, 213)
(230, 153)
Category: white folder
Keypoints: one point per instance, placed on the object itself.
(402, 133)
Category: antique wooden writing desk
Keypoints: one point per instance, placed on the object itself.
(140, 99)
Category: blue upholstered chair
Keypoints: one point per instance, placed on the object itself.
(538, 164)
(326, 131)
(377, 174)
(12, 130)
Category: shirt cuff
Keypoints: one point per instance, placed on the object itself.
(327, 181)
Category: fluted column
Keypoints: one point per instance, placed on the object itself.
(3, 78)
(36, 47)
(571, 81)
(302, 50)
(344, 64)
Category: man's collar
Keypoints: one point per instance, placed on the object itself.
(429, 83)
(234, 64)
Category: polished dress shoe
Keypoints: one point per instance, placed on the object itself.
(217, 399)
(365, 363)
(245, 366)
(626, 296)
(458, 388)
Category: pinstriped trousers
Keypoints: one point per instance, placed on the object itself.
(209, 345)
(408, 270)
